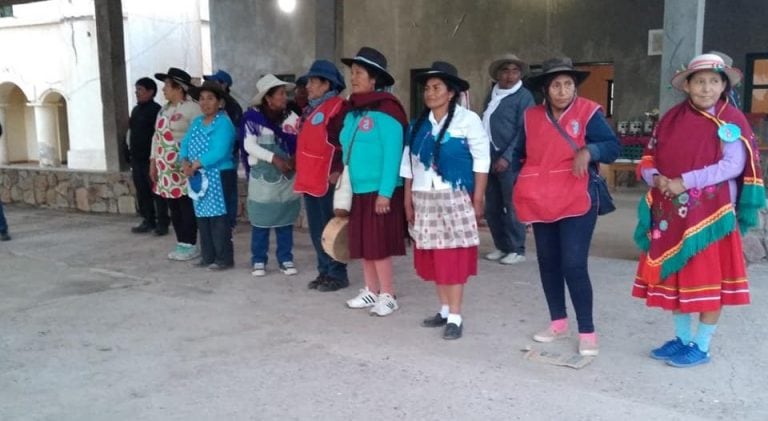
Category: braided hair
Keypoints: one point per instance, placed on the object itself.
(425, 114)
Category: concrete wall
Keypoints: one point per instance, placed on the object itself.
(253, 38)
(737, 28)
(413, 33)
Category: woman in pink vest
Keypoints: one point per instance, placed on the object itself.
(556, 191)
(318, 164)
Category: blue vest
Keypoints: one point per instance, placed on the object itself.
(455, 162)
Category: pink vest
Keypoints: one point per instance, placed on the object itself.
(546, 189)
(314, 153)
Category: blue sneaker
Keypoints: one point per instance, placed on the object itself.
(668, 350)
(690, 356)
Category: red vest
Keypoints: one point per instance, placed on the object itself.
(314, 153)
(546, 189)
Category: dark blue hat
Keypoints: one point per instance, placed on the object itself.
(328, 71)
(220, 76)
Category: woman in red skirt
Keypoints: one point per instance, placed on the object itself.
(372, 143)
(446, 170)
(703, 167)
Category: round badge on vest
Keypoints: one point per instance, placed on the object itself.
(729, 132)
(318, 118)
(365, 124)
(575, 127)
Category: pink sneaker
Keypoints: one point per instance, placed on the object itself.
(550, 334)
(588, 345)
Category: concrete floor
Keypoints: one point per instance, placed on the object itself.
(95, 324)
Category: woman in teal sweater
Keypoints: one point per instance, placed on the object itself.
(372, 143)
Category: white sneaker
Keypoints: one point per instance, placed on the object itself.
(259, 269)
(495, 255)
(288, 268)
(174, 255)
(364, 299)
(385, 305)
(512, 259)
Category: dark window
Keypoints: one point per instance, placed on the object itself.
(6, 11)
(756, 84)
(417, 93)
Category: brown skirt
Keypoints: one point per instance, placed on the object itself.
(372, 236)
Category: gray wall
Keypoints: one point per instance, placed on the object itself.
(413, 33)
(737, 28)
(252, 38)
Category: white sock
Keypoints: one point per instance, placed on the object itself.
(455, 319)
(444, 312)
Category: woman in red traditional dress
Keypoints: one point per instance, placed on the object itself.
(706, 187)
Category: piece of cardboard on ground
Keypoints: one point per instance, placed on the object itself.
(557, 358)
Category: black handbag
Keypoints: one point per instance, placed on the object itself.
(604, 200)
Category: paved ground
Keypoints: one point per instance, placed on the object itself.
(96, 324)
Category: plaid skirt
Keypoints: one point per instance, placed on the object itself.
(444, 219)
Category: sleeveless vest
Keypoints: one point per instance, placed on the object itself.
(546, 189)
(314, 153)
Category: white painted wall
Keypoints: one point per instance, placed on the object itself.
(51, 46)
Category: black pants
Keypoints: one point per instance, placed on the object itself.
(216, 240)
(183, 219)
(153, 208)
(562, 248)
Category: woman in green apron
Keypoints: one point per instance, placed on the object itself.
(270, 143)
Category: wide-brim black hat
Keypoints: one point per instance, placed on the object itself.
(177, 75)
(553, 67)
(371, 58)
(445, 71)
(210, 86)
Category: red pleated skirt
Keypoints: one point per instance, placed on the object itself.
(446, 266)
(714, 277)
(373, 236)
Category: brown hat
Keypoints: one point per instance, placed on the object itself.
(210, 86)
(556, 66)
(502, 61)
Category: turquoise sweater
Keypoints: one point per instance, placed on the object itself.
(216, 140)
(375, 161)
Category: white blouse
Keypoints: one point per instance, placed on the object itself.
(465, 124)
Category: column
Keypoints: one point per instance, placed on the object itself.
(114, 94)
(683, 37)
(47, 134)
(4, 137)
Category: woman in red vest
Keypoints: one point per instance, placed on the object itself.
(318, 164)
(556, 191)
(703, 167)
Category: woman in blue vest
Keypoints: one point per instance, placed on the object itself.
(270, 143)
(372, 141)
(445, 184)
(318, 165)
(206, 157)
(556, 191)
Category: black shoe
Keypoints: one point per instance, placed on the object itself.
(215, 267)
(5, 236)
(452, 331)
(161, 230)
(332, 284)
(436, 321)
(316, 282)
(142, 228)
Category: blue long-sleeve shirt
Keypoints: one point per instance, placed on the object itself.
(210, 144)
